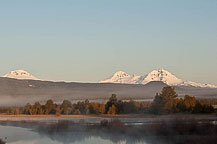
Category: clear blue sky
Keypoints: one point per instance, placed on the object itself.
(90, 40)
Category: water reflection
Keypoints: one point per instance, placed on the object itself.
(181, 131)
(60, 133)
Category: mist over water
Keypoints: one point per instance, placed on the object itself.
(18, 135)
(113, 131)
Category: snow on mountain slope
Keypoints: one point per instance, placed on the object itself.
(121, 77)
(190, 83)
(20, 74)
(162, 75)
(155, 75)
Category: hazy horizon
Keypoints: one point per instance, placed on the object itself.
(88, 41)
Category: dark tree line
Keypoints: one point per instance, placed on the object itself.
(113, 106)
(167, 102)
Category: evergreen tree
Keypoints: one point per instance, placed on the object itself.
(28, 109)
(198, 108)
(165, 102)
(81, 107)
(189, 102)
(66, 107)
(169, 96)
(157, 105)
(37, 108)
(50, 107)
(130, 107)
(181, 105)
(112, 101)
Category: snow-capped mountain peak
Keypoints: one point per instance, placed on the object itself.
(20, 74)
(155, 75)
(119, 77)
(121, 74)
(162, 75)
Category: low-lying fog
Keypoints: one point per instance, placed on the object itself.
(178, 130)
(20, 92)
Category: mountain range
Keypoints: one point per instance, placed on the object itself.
(156, 75)
(20, 87)
(124, 78)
